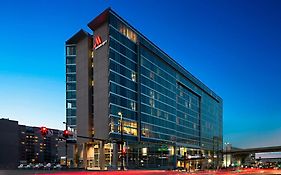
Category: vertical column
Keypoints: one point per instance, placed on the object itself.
(115, 156)
(139, 92)
(79, 154)
(101, 155)
(75, 156)
(175, 157)
(84, 155)
(127, 155)
(139, 101)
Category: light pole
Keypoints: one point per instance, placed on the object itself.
(65, 146)
(226, 154)
(122, 141)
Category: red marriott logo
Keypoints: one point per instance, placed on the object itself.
(98, 42)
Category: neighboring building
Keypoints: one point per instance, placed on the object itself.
(37, 149)
(9, 144)
(25, 144)
(169, 117)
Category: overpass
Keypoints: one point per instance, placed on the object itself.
(253, 150)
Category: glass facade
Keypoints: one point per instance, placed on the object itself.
(71, 85)
(171, 109)
(123, 93)
(169, 118)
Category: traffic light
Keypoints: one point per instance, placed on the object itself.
(44, 131)
(66, 134)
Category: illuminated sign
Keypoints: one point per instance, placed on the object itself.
(98, 42)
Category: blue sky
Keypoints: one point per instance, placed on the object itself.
(234, 47)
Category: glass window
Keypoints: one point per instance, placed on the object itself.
(70, 69)
(71, 121)
(70, 50)
(71, 112)
(71, 103)
(134, 76)
(70, 60)
(70, 94)
(128, 33)
(70, 86)
(70, 77)
(133, 106)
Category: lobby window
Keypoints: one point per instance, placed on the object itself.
(144, 151)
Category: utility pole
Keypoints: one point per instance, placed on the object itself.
(122, 141)
(65, 146)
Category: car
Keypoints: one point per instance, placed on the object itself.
(21, 166)
(39, 166)
(48, 166)
(58, 166)
(180, 169)
(29, 166)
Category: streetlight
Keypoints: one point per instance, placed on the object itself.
(65, 145)
(226, 153)
(121, 125)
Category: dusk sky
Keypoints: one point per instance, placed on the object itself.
(232, 46)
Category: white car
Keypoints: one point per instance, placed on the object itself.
(58, 166)
(28, 166)
(39, 166)
(21, 166)
(48, 166)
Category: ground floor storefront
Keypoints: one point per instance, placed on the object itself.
(101, 155)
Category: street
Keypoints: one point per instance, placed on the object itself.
(140, 172)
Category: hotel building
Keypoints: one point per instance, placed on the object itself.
(116, 76)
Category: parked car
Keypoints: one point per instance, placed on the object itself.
(58, 166)
(39, 166)
(180, 169)
(29, 166)
(21, 166)
(48, 166)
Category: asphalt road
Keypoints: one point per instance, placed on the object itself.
(140, 172)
